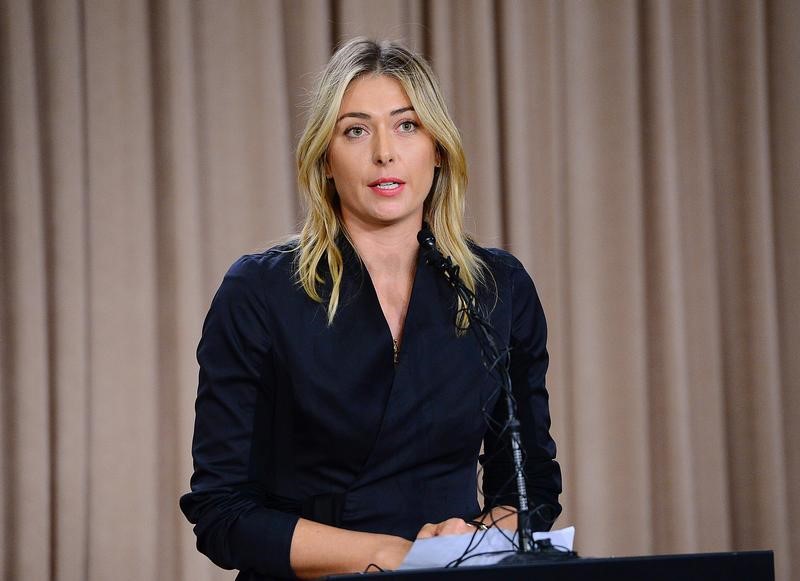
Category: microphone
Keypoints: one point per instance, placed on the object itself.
(427, 243)
(495, 360)
(426, 239)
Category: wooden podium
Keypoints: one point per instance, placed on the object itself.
(740, 566)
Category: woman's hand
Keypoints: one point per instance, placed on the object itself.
(452, 526)
(504, 517)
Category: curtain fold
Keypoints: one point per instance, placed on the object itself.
(783, 52)
(689, 474)
(466, 32)
(640, 157)
(179, 270)
(751, 377)
(123, 450)
(606, 274)
(64, 222)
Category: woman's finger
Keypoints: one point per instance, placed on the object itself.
(453, 526)
(428, 530)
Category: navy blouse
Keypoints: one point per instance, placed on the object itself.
(298, 418)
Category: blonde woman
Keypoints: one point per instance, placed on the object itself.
(341, 407)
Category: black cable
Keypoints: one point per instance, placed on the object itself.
(376, 567)
(487, 553)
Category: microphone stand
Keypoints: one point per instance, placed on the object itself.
(500, 362)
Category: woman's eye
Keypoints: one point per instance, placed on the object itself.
(354, 132)
(408, 126)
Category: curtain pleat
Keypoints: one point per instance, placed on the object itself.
(606, 277)
(65, 223)
(245, 163)
(700, 333)
(27, 383)
(468, 30)
(668, 382)
(123, 446)
(639, 157)
(308, 21)
(783, 54)
(181, 301)
(359, 17)
(532, 159)
(751, 374)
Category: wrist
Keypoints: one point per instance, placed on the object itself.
(502, 516)
(390, 552)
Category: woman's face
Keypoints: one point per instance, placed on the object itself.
(380, 158)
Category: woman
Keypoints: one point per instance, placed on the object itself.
(340, 410)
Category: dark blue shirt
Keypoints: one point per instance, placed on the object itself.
(296, 417)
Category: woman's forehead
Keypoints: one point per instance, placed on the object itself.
(374, 94)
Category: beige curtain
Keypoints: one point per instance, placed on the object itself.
(640, 157)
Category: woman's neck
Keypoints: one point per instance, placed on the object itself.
(388, 251)
(390, 255)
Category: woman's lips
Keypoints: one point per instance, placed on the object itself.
(387, 186)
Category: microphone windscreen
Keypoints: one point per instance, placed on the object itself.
(426, 239)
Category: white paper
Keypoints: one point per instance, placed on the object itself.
(482, 548)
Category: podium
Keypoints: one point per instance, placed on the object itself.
(738, 566)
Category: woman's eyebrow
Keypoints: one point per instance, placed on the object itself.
(401, 110)
(354, 114)
(359, 115)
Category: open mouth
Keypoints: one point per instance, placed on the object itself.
(387, 185)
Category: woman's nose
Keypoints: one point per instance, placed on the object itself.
(384, 149)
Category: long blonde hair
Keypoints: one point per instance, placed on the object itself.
(444, 206)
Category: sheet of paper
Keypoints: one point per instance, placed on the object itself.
(482, 548)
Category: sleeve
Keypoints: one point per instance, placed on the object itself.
(233, 527)
(529, 361)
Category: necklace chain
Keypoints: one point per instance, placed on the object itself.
(395, 351)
